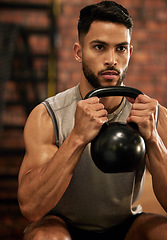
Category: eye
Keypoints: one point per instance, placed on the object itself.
(99, 47)
(122, 48)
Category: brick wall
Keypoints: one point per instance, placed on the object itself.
(68, 71)
(147, 71)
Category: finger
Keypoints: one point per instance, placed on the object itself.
(143, 99)
(101, 113)
(134, 118)
(131, 100)
(140, 112)
(143, 124)
(92, 100)
(97, 107)
(139, 98)
(140, 106)
(93, 103)
(104, 120)
(150, 107)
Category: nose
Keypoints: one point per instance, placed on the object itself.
(110, 58)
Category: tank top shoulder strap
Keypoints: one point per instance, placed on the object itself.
(157, 115)
(54, 121)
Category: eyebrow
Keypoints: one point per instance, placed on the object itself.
(123, 43)
(98, 41)
(104, 43)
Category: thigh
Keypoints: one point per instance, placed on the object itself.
(115, 233)
(48, 227)
(148, 227)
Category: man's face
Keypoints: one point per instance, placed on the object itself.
(106, 52)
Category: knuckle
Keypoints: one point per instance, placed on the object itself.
(139, 98)
(101, 105)
(155, 102)
(104, 112)
(131, 112)
(145, 122)
(91, 115)
(99, 122)
(135, 106)
(80, 103)
(132, 118)
(86, 108)
(92, 100)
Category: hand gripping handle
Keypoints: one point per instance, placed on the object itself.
(114, 91)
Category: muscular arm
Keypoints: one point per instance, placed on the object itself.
(143, 112)
(157, 158)
(46, 170)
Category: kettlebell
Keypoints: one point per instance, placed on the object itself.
(119, 147)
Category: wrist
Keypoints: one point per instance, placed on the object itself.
(76, 139)
(154, 138)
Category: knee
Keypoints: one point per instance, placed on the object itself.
(40, 234)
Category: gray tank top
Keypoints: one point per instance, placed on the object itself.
(93, 200)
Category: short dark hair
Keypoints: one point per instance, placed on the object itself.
(108, 11)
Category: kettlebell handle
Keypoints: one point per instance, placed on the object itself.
(114, 91)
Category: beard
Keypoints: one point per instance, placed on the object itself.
(94, 80)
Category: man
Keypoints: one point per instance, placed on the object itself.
(61, 191)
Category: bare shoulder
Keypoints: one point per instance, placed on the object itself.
(162, 124)
(162, 115)
(39, 140)
(39, 126)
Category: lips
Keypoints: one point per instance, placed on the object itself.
(109, 74)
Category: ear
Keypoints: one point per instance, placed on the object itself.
(131, 50)
(78, 52)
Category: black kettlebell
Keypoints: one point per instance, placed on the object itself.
(119, 147)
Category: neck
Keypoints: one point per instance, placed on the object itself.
(84, 88)
(111, 103)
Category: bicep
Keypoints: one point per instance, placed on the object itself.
(39, 140)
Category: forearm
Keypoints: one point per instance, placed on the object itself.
(42, 187)
(157, 162)
(46, 171)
